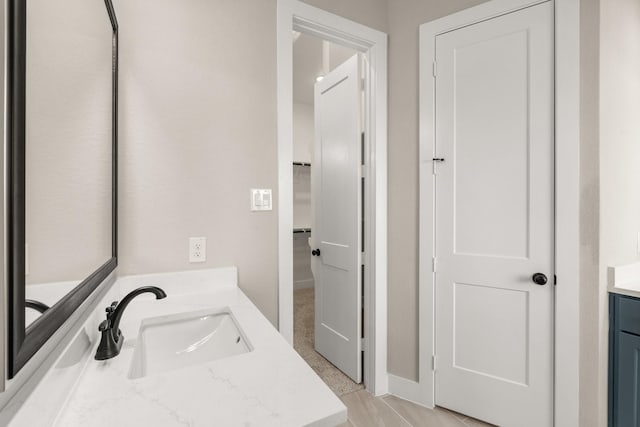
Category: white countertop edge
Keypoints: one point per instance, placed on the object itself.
(624, 279)
(624, 291)
(623, 275)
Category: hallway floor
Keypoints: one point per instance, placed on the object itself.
(303, 342)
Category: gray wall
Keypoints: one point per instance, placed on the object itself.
(372, 13)
(593, 349)
(405, 16)
(198, 130)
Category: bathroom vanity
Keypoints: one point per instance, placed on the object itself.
(624, 345)
(202, 356)
(624, 357)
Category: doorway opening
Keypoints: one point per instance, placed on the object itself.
(371, 45)
(315, 59)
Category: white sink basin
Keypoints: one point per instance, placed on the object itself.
(172, 342)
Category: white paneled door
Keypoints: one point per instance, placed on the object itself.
(494, 174)
(335, 181)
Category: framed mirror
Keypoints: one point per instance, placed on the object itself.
(61, 156)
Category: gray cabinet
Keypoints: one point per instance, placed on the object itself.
(624, 361)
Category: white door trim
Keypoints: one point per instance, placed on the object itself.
(295, 15)
(567, 87)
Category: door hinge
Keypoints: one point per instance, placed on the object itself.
(363, 84)
(363, 171)
(435, 68)
(362, 344)
(433, 362)
(435, 161)
(555, 279)
(434, 264)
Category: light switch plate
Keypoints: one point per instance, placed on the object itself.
(261, 199)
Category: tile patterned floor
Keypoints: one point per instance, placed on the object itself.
(366, 410)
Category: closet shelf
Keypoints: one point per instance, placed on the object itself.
(301, 230)
(301, 164)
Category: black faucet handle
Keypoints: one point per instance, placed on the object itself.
(104, 325)
(111, 308)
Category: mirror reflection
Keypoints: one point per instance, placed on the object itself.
(68, 147)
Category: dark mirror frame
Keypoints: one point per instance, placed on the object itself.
(24, 343)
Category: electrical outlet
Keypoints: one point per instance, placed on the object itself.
(197, 249)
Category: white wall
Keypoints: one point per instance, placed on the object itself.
(303, 135)
(303, 132)
(301, 197)
(620, 131)
(610, 179)
(302, 275)
(619, 154)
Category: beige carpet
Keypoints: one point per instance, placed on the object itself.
(303, 342)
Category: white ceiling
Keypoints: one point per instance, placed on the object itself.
(307, 64)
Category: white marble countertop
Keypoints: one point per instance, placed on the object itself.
(269, 386)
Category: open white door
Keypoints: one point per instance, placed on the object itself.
(335, 183)
(494, 270)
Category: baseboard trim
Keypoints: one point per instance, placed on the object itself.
(303, 284)
(407, 390)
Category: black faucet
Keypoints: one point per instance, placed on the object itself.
(112, 338)
(36, 305)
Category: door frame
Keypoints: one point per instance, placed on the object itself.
(295, 15)
(567, 200)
